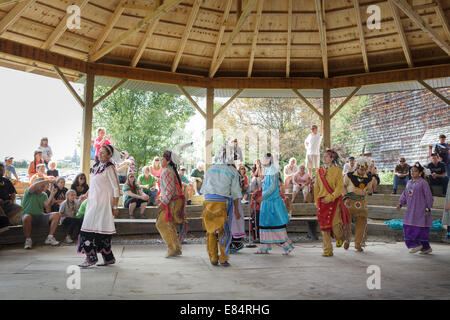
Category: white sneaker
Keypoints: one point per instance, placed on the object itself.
(51, 241)
(244, 201)
(28, 244)
(414, 250)
(426, 251)
(68, 240)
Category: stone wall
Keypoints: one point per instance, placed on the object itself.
(395, 124)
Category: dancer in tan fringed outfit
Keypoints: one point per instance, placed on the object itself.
(171, 203)
(357, 185)
(331, 211)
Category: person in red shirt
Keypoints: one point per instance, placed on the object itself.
(32, 169)
(101, 140)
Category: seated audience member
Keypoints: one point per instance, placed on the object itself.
(289, 172)
(243, 181)
(197, 175)
(257, 176)
(443, 150)
(37, 159)
(52, 170)
(69, 220)
(8, 206)
(375, 178)
(302, 182)
(10, 170)
(401, 175)
(80, 185)
(188, 187)
(349, 166)
(148, 184)
(81, 209)
(286, 200)
(60, 195)
(47, 152)
(133, 196)
(40, 174)
(438, 173)
(123, 168)
(130, 160)
(34, 201)
(155, 168)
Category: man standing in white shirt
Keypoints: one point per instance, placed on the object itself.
(312, 146)
(349, 166)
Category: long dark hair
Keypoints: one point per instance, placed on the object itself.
(168, 156)
(76, 182)
(133, 186)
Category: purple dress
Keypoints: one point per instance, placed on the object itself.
(416, 225)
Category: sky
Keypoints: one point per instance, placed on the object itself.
(35, 106)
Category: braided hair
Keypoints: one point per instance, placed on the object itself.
(168, 156)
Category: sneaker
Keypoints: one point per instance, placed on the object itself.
(225, 264)
(414, 250)
(394, 191)
(327, 254)
(339, 243)
(426, 251)
(189, 202)
(244, 201)
(346, 245)
(68, 240)
(51, 241)
(28, 244)
(86, 264)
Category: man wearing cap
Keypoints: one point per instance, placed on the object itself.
(349, 167)
(401, 175)
(438, 173)
(443, 150)
(10, 170)
(34, 203)
(8, 208)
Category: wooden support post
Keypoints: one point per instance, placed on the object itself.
(326, 120)
(87, 124)
(209, 138)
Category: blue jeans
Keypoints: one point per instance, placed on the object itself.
(152, 195)
(447, 166)
(398, 180)
(440, 182)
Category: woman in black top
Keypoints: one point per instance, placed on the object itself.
(80, 185)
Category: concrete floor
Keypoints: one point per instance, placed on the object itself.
(142, 272)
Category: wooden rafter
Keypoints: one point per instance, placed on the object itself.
(4, 3)
(345, 102)
(434, 91)
(223, 23)
(228, 102)
(69, 86)
(323, 36)
(414, 16)
(188, 96)
(148, 34)
(110, 91)
(255, 36)
(401, 33)
(109, 26)
(14, 14)
(187, 31)
(289, 40)
(442, 17)
(247, 10)
(362, 42)
(161, 10)
(309, 104)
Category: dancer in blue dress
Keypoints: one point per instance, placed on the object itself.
(273, 214)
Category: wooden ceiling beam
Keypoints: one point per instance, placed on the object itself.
(4, 3)
(345, 102)
(109, 26)
(187, 31)
(14, 14)
(414, 16)
(255, 36)
(435, 92)
(69, 86)
(309, 104)
(110, 91)
(362, 42)
(223, 24)
(194, 103)
(160, 11)
(401, 33)
(247, 10)
(228, 102)
(148, 34)
(442, 17)
(289, 40)
(323, 36)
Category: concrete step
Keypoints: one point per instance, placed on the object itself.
(131, 227)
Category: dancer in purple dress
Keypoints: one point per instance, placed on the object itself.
(417, 221)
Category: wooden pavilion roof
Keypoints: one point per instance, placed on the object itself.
(308, 44)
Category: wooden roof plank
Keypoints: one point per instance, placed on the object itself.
(255, 36)
(187, 31)
(414, 16)
(361, 34)
(14, 14)
(221, 33)
(148, 34)
(160, 11)
(247, 10)
(323, 37)
(289, 40)
(441, 14)
(401, 34)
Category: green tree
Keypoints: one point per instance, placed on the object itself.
(141, 122)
